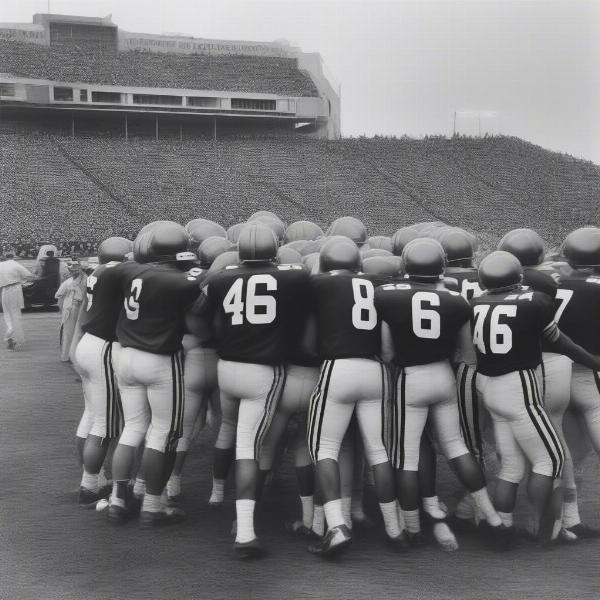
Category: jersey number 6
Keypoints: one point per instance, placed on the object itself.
(233, 303)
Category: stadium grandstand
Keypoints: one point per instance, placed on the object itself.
(102, 131)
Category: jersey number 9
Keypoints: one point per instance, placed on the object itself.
(234, 305)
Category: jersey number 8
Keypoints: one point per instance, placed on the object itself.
(364, 315)
(233, 303)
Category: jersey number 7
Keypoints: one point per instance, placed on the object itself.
(234, 305)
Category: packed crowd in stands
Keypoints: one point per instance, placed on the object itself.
(30, 248)
(71, 63)
(62, 188)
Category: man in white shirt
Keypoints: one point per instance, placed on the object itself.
(12, 276)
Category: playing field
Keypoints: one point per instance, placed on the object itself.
(52, 549)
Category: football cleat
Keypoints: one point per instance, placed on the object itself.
(334, 541)
(416, 539)
(500, 270)
(168, 516)
(400, 543)
(444, 537)
(118, 514)
(525, 244)
(87, 498)
(424, 257)
(300, 529)
(248, 550)
(362, 522)
(584, 532)
(500, 537)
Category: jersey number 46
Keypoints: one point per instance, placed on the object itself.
(246, 304)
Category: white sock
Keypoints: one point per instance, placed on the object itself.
(411, 518)
(571, 515)
(318, 524)
(401, 523)
(390, 518)
(115, 500)
(89, 481)
(464, 509)
(218, 491)
(506, 518)
(347, 511)
(556, 529)
(484, 504)
(308, 510)
(139, 487)
(432, 507)
(334, 514)
(102, 479)
(245, 520)
(174, 485)
(151, 503)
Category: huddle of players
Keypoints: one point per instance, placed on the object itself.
(339, 327)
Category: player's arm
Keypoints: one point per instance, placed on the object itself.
(556, 341)
(387, 343)
(464, 344)
(199, 326)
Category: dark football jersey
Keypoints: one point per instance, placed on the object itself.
(578, 315)
(424, 320)
(254, 306)
(347, 322)
(104, 302)
(463, 280)
(540, 281)
(156, 298)
(508, 329)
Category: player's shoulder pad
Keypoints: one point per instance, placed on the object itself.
(391, 287)
(290, 267)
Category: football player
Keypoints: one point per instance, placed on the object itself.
(255, 303)
(94, 361)
(352, 378)
(149, 366)
(578, 317)
(509, 324)
(421, 325)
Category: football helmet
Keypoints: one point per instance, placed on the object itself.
(234, 232)
(457, 244)
(154, 224)
(525, 244)
(339, 254)
(349, 227)
(201, 229)
(384, 266)
(302, 230)
(402, 237)
(581, 247)
(211, 247)
(114, 248)
(167, 242)
(265, 213)
(380, 241)
(424, 257)
(375, 252)
(257, 243)
(224, 260)
(288, 256)
(273, 223)
(298, 245)
(500, 270)
(311, 261)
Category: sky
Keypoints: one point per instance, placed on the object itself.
(420, 67)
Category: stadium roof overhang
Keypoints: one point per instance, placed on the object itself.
(149, 111)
